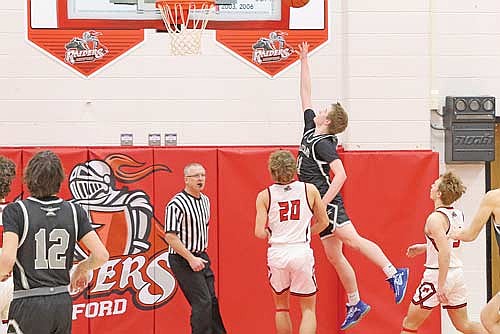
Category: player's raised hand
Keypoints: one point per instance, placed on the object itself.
(303, 50)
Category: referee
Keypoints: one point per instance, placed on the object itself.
(186, 231)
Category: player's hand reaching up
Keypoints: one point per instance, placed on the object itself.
(303, 50)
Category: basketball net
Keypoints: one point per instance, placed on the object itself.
(185, 22)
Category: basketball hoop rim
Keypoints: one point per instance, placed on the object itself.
(196, 3)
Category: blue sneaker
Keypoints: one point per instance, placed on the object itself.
(398, 283)
(354, 314)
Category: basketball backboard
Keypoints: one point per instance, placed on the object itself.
(143, 14)
(263, 33)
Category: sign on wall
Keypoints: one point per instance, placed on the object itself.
(85, 51)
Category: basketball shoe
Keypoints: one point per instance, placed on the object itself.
(354, 314)
(398, 284)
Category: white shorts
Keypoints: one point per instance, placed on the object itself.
(292, 267)
(6, 291)
(426, 295)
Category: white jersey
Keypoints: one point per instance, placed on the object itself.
(456, 221)
(7, 286)
(289, 214)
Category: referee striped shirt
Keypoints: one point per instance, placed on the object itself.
(188, 217)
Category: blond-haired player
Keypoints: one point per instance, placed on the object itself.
(443, 280)
(287, 207)
(317, 157)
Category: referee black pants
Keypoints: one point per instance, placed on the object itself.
(198, 287)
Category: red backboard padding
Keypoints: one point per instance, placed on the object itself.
(386, 196)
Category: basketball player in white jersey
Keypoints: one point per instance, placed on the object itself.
(7, 174)
(490, 207)
(287, 207)
(443, 280)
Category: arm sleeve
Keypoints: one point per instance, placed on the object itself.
(326, 150)
(173, 217)
(309, 120)
(84, 225)
(13, 219)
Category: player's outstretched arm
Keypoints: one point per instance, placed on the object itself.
(339, 177)
(8, 256)
(98, 256)
(490, 316)
(261, 204)
(471, 232)
(305, 76)
(319, 209)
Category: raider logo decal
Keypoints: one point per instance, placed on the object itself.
(86, 49)
(272, 49)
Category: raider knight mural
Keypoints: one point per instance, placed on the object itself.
(115, 211)
(125, 221)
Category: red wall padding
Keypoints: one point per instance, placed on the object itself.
(244, 288)
(386, 195)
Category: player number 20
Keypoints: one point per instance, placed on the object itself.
(53, 257)
(289, 210)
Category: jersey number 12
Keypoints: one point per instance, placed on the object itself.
(53, 257)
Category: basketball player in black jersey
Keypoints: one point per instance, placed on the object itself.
(40, 234)
(489, 208)
(317, 156)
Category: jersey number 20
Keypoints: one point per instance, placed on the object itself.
(53, 257)
(289, 210)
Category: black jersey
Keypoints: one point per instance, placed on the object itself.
(316, 152)
(48, 230)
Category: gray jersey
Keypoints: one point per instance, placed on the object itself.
(48, 231)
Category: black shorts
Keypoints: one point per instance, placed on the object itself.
(41, 315)
(338, 218)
